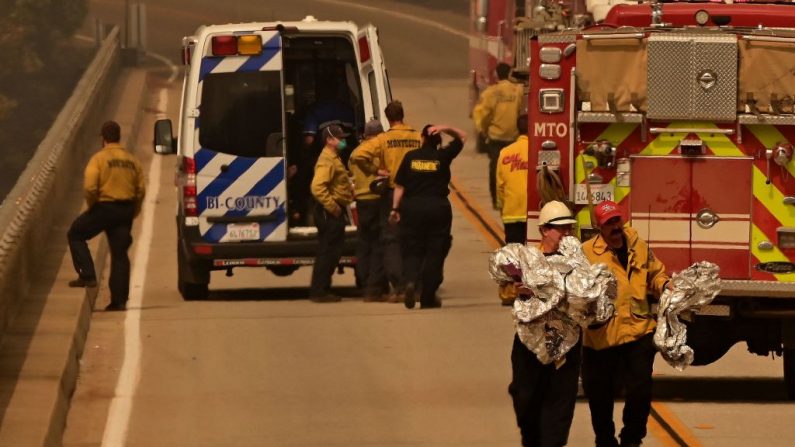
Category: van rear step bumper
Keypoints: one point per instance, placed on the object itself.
(272, 262)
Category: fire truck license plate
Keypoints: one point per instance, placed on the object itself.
(242, 232)
(599, 192)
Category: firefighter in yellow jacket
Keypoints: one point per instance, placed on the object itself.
(495, 118)
(390, 148)
(332, 189)
(114, 190)
(622, 347)
(512, 196)
(369, 253)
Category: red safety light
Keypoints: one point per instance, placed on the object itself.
(189, 202)
(203, 249)
(224, 45)
(364, 49)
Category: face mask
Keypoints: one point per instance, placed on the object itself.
(343, 144)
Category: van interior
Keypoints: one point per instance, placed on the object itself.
(321, 87)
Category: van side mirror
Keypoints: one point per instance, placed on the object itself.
(165, 143)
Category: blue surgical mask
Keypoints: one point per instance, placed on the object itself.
(343, 144)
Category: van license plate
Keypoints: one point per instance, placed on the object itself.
(600, 192)
(242, 232)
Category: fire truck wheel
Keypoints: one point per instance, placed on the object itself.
(789, 372)
(709, 340)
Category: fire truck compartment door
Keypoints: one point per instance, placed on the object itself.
(722, 187)
(694, 209)
(692, 76)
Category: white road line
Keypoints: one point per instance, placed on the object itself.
(121, 406)
(400, 15)
(160, 58)
(171, 66)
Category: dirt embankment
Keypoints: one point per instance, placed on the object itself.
(39, 98)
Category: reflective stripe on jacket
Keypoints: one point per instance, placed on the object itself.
(114, 174)
(497, 110)
(512, 181)
(633, 318)
(330, 185)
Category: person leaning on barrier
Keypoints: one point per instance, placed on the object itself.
(544, 396)
(331, 188)
(495, 117)
(512, 196)
(622, 347)
(388, 151)
(114, 191)
(369, 253)
(421, 206)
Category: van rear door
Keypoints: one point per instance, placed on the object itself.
(239, 132)
(373, 64)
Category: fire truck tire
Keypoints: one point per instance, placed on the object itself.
(789, 372)
(710, 340)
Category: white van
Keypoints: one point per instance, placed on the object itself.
(252, 98)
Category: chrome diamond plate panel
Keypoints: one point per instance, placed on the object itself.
(692, 76)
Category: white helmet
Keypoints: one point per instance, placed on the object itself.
(556, 213)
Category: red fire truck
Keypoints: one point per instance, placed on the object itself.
(683, 113)
(500, 29)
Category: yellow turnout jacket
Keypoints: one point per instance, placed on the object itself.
(633, 318)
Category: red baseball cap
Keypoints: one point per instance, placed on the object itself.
(606, 210)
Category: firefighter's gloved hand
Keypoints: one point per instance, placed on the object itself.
(394, 217)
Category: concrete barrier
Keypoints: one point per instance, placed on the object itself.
(29, 210)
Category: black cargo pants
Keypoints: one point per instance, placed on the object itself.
(604, 374)
(369, 252)
(331, 240)
(543, 396)
(115, 219)
(425, 225)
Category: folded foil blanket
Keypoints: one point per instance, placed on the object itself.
(558, 294)
(693, 288)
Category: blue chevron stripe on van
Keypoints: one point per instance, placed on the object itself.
(203, 157)
(263, 188)
(208, 65)
(224, 180)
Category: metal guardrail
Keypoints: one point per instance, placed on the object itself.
(37, 200)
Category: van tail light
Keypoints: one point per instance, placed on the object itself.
(364, 49)
(224, 45)
(189, 201)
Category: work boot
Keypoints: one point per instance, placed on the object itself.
(80, 282)
(408, 296)
(115, 307)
